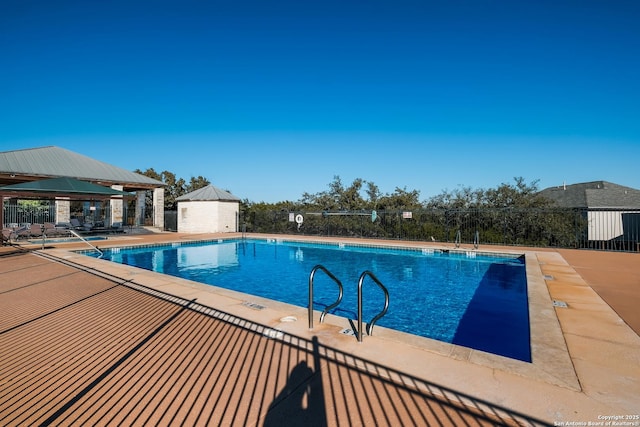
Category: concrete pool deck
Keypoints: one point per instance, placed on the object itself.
(274, 370)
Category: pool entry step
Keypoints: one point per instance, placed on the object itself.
(363, 276)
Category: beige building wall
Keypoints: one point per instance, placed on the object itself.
(207, 216)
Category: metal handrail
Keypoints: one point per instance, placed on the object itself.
(458, 238)
(379, 315)
(334, 305)
(84, 240)
(476, 240)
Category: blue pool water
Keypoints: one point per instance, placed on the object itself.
(467, 299)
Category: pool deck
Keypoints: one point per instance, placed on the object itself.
(85, 341)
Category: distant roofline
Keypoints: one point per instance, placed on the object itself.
(593, 194)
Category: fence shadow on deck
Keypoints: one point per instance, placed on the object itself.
(326, 386)
(169, 360)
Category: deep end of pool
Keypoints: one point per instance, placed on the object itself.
(496, 321)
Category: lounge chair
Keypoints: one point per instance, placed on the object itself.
(28, 232)
(36, 230)
(81, 228)
(21, 232)
(50, 230)
(6, 236)
(116, 227)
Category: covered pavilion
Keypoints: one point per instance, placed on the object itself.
(20, 167)
(65, 187)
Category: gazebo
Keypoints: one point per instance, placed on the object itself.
(65, 187)
(37, 164)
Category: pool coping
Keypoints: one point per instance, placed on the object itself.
(603, 351)
(550, 363)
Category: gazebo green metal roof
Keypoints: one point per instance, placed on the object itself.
(61, 187)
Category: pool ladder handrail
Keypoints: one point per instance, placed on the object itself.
(84, 240)
(476, 239)
(369, 326)
(334, 305)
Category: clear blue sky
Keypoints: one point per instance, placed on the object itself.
(270, 99)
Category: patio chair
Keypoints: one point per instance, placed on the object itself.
(50, 230)
(116, 227)
(21, 232)
(36, 230)
(6, 236)
(76, 225)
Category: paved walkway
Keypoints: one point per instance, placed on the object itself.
(106, 346)
(614, 276)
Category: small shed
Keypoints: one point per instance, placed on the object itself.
(208, 210)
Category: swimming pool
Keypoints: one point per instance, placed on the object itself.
(465, 298)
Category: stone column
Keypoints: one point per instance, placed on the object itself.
(117, 206)
(158, 208)
(63, 210)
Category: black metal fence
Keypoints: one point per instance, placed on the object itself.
(604, 229)
(15, 215)
(24, 214)
(171, 220)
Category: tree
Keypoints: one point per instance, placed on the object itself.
(197, 183)
(401, 199)
(460, 198)
(339, 197)
(174, 187)
(518, 195)
(373, 194)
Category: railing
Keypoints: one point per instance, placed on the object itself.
(85, 240)
(602, 229)
(330, 307)
(18, 214)
(369, 327)
(379, 315)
